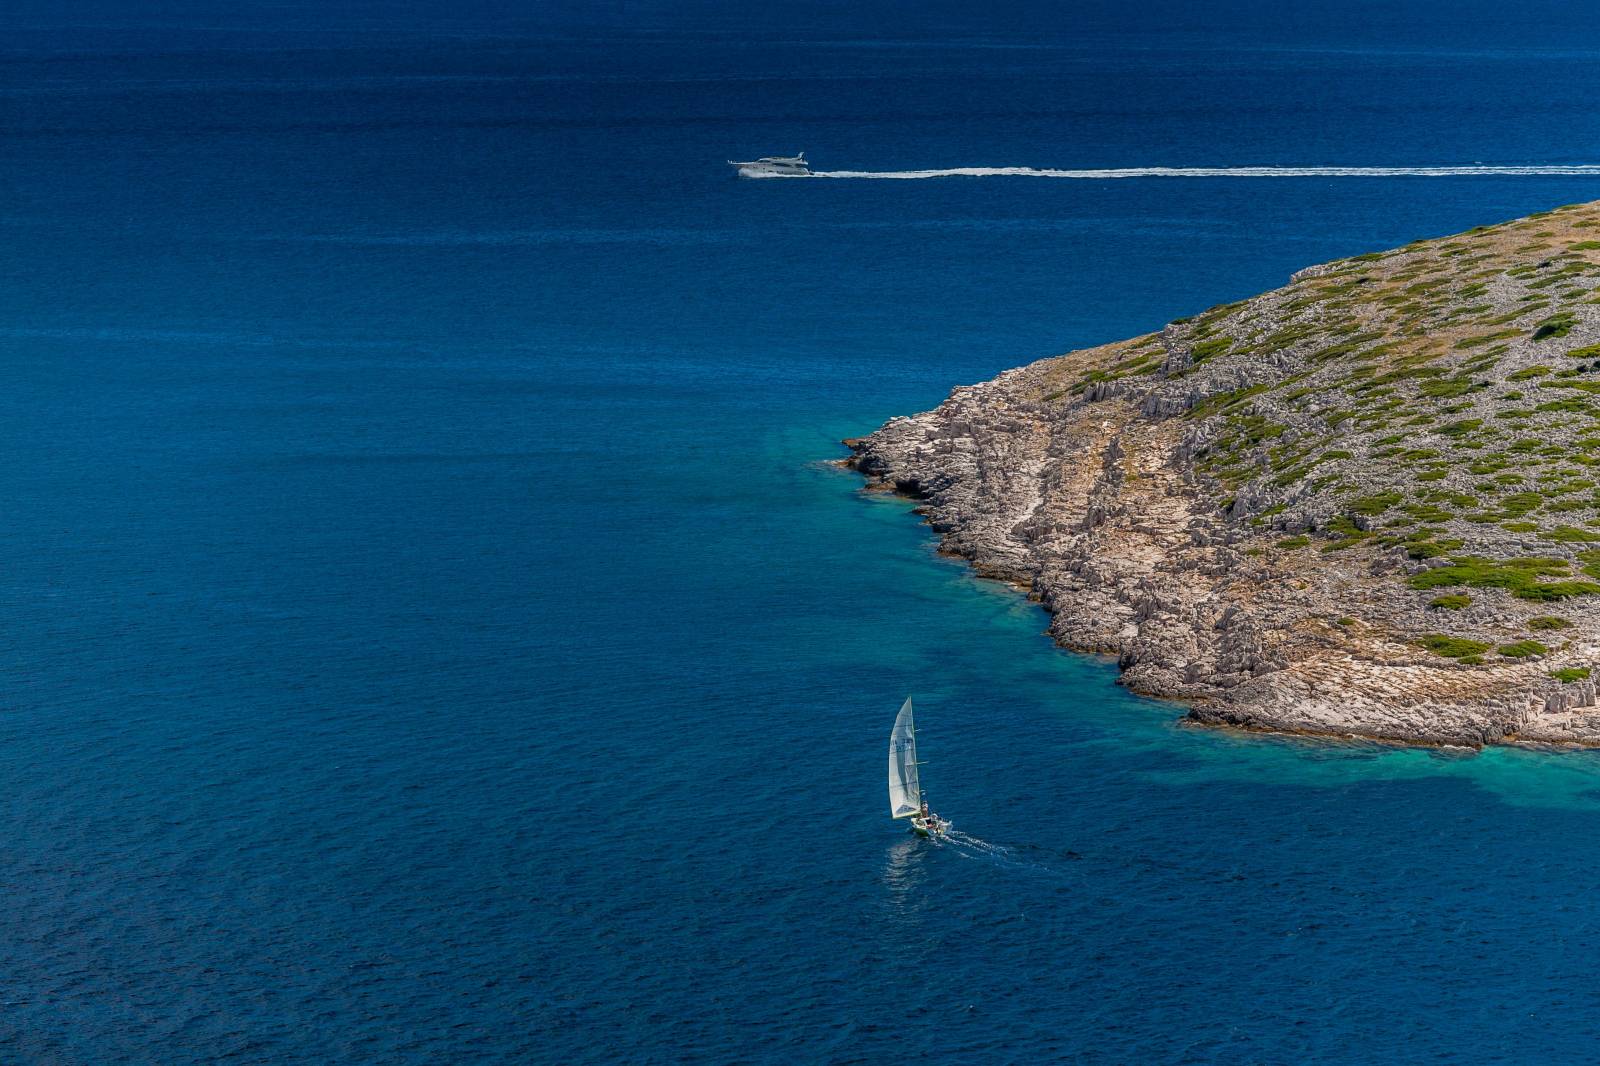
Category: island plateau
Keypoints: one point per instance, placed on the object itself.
(1364, 504)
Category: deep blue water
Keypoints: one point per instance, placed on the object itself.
(431, 633)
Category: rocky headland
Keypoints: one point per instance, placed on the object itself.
(1364, 504)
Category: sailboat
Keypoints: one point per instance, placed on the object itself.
(905, 786)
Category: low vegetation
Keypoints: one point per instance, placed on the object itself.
(1523, 578)
(1452, 647)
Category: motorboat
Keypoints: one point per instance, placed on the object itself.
(773, 166)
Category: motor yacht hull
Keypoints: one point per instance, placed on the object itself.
(772, 167)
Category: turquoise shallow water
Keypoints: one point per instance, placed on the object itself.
(434, 631)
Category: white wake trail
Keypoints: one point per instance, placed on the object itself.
(970, 847)
(1474, 170)
(955, 836)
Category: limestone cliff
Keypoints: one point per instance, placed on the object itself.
(1365, 503)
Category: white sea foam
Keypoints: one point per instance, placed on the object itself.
(1471, 170)
(970, 847)
(955, 836)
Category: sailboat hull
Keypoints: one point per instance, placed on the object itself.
(929, 827)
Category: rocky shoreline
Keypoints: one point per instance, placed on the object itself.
(1364, 505)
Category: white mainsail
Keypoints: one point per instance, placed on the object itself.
(905, 791)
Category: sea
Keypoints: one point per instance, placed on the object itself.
(433, 629)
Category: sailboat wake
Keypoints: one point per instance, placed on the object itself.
(970, 847)
(972, 843)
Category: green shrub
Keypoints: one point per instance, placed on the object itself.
(1378, 503)
(1551, 592)
(1520, 503)
(1206, 349)
(1454, 601)
(1447, 388)
(1571, 673)
(1489, 338)
(1521, 577)
(1288, 543)
(1451, 647)
(1548, 622)
(1570, 535)
(1523, 649)
(1554, 591)
(1568, 406)
(1557, 325)
(1428, 513)
(1591, 561)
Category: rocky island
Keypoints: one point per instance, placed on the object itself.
(1364, 504)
